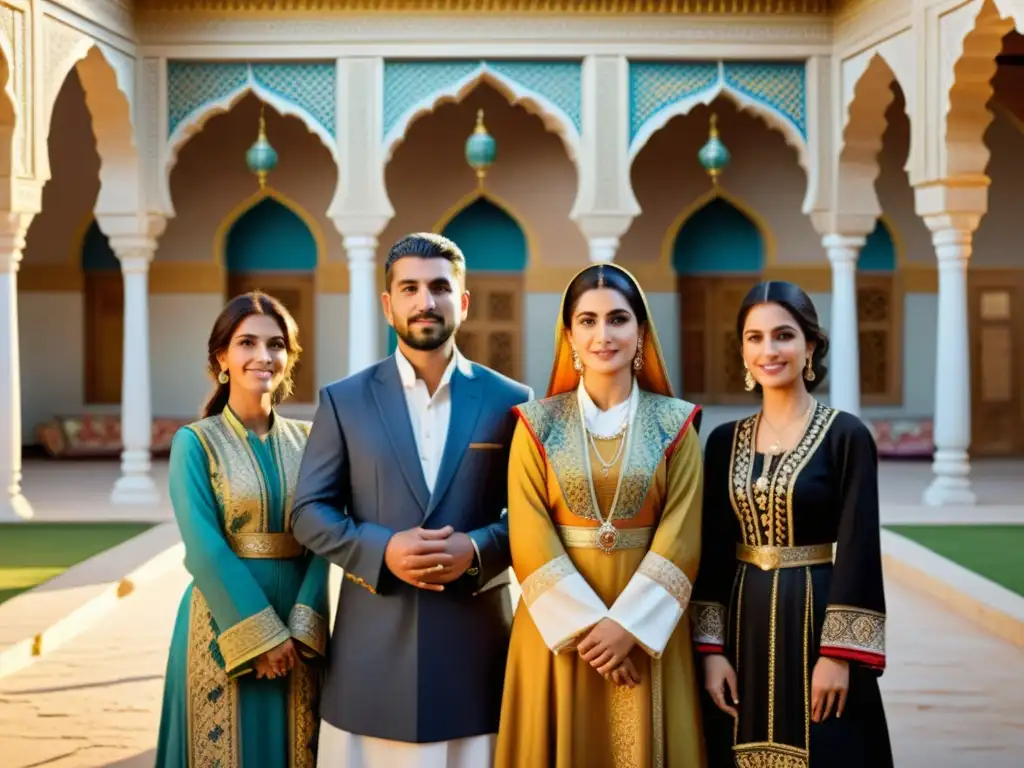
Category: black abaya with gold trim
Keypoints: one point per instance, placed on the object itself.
(774, 624)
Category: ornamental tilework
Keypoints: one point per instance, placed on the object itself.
(654, 85)
(311, 86)
(411, 83)
(779, 85)
(192, 86)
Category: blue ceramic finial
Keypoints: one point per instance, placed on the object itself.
(481, 149)
(261, 157)
(713, 155)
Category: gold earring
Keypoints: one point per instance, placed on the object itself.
(809, 373)
(222, 377)
(748, 380)
(638, 358)
(577, 364)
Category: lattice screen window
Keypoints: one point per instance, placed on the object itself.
(711, 361)
(879, 332)
(493, 330)
(297, 292)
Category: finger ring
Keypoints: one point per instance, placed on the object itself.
(439, 567)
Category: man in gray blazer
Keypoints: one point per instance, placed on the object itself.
(403, 485)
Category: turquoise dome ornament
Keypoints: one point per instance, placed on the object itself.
(261, 157)
(481, 149)
(713, 155)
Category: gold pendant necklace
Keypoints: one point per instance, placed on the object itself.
(762, 484)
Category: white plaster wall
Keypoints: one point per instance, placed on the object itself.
(539, 344)
(52, 358)
(179, 328)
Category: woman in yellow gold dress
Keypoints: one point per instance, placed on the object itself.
(604, 505)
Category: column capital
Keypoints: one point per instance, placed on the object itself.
(602, 249)
(13, 229)
(843, 249)
(361, 223)
(953, 203)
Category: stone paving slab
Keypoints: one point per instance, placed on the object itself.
(950, 689)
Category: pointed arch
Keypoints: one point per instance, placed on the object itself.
(220, 236)
(497, 211)
(724, 201)
(551, 115)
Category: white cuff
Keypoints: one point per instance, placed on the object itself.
(650, 606)
(561, 603)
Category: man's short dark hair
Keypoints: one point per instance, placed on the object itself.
(425, 245)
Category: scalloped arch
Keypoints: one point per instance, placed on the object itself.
(863, 131)
(197, 120)
(771, 117)
(554, 119)
(8, 111)
(967, 115)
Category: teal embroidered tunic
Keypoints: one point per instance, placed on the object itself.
(253, 587)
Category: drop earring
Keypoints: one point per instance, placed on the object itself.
(577, 364)
(809, 373)
(748, 380)
(638, 358)
(222, 377)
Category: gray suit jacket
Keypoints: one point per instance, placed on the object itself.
(407, 664)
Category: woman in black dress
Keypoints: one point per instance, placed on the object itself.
(792, 643)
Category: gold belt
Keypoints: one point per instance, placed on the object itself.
(265, 546)
(770, 558)
(579, 537)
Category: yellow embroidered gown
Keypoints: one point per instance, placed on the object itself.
(253, 587)
(557, 710)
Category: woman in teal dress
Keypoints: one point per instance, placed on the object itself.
(243, 677)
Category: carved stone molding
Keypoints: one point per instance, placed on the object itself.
(544, 7)
(115, 15)
(13, 31)
(60, 44)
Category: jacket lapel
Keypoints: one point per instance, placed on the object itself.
(466, 402)
(394, 413)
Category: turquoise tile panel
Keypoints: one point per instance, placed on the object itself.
(311, 86)
(654, 85)
(779, 85)
(192, 85)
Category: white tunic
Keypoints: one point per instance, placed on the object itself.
(339, 749)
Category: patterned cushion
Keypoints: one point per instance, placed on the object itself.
(905, 437)
(99, 435)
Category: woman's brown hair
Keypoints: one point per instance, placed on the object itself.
(232, 316)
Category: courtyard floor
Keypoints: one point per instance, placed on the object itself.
(949, 689)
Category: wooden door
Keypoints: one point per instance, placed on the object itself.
(880, 326)
(711, 360)
(297, 291)
(104, 336)
(492, 333)
(996, 323)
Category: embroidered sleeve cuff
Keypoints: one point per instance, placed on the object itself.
(561, 603)
(251, 637)
(308, 628)
(654, 600)
(854, 634)
(708, 622)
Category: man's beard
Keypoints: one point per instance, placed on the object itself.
(429, 337)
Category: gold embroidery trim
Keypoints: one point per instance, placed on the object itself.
(303, 716)
(770, 755)
(856, 629)
(666, 575)
(546, 577)
(211, 697)
(626, 726)
(308, 627)
(772, 558)
(252, 636)
(578, 537)
(265, 546)
(708, 623)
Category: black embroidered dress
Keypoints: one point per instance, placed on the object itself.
(768, 596)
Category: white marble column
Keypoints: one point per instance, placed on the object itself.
(135, 486)
(363, 305)
(844, 357)
(951, 485)
(13, 505)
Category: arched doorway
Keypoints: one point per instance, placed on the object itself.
(718, 253)
(103, 299)
(879, 319)
(271, 248)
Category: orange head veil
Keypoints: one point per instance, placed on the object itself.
(652, 376)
